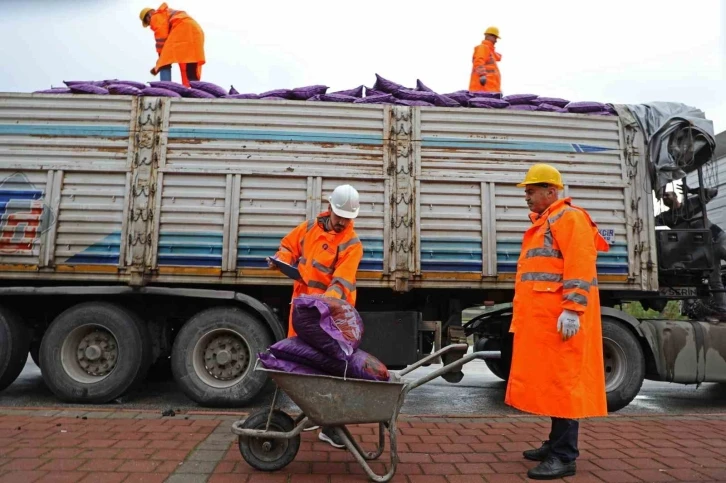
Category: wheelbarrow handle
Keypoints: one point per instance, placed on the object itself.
(450, 367)
(459, 347)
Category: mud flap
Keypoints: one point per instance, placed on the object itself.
(454, 335)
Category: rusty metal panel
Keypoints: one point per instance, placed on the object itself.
(90, 218)
(275, 138)
(466, 152)
(191, 226)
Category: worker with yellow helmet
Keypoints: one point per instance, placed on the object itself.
(485, 75)
(179, 40)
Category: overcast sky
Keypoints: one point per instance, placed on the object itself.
(614, 51)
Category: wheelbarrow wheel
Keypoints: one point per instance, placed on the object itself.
(269, 454)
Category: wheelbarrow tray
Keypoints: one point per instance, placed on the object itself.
(335, 401)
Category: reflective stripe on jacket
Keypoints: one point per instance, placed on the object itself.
(557, 271)
(484, 63)
(327, 261)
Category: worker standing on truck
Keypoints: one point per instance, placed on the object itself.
(557, 359)
(179, 40)
(485, 75)
(327, 252)
(678, 216)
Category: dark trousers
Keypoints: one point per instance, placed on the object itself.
(563, 439)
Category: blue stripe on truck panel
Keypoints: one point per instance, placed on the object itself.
(462, 143)
(103, 252)
(190, 249)
(465, 255)
(260, 135)
(62, 130)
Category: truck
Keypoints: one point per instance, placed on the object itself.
(134, 233)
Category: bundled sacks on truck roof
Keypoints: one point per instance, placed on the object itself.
(383, 91)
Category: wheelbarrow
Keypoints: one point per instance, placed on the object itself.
(269, 439)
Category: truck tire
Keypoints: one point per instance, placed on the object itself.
(624, 364)
(494, 365)
(14, 346)
(94, 352)
(214, 354)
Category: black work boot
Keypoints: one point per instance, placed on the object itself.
(551, 469)
(539, 454)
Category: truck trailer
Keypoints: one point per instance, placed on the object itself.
(134, 232)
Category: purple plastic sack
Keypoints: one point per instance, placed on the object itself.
(379, 99)
(54, 90)
(124, 90)
(269, 361)
(78, 83)
(485, 95)
(372, 92)
(520, 98)
(282, 93)
(585, 106)
(334, 98)
(331, 325)
(356, 92)
(550, 108)
(170, 86)
(138, 85)
(361, 365)
(489, 103)
(214, 89)
(158, 91)
(88, 89)
(406, 102)
(411, 95)
(445, 101)
(462, 98)
(420, 86)
(522, 107)
(232, 91)
(195, 93)
(385, 85)
(553, 101)
(242, 96)
(304, 93)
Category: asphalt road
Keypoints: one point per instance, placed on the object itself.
(478, 393)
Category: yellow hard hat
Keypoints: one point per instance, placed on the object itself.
(493, 31)
(142, 16)
(543, 173)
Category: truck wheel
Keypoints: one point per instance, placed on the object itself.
(214, 354)
(94, 353)
(624, 364)
(14, 346)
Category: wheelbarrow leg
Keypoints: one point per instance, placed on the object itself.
(361, 456)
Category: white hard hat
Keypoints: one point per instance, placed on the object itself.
(345, 201)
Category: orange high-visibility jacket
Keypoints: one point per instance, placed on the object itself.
(484, 63)
(556, 271)
(179, 38)
(327, 261)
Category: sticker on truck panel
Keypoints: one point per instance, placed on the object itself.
(608, 234)
(677, 291)
(23, 214)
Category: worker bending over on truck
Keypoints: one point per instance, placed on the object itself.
(557, 358)
(179, 40)
(485, 75)
(689, 215)
(327, 253)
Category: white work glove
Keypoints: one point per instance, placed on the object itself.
(483, 80)
(568, 324)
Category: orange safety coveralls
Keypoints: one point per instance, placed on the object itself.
(484, 63)
(327, 261)
(179, 40)
(556, 271)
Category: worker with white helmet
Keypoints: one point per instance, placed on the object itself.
(327, 252)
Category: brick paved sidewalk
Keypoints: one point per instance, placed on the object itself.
(121, 446)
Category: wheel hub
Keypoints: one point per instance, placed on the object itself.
(97, 353)
(225, 358)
